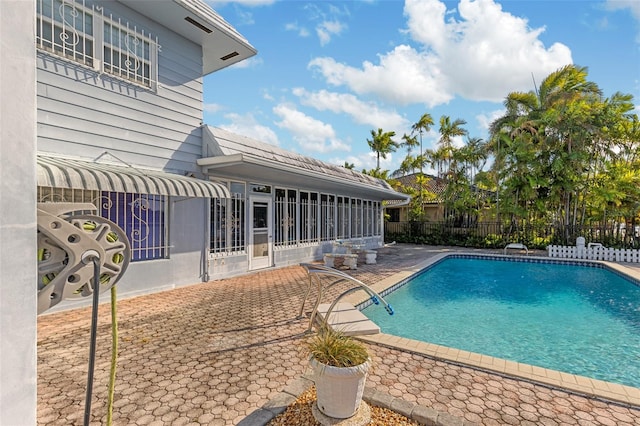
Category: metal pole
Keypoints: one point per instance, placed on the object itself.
(94, 327)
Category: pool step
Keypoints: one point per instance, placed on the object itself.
(346, 318)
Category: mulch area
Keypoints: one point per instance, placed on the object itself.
(300, 414)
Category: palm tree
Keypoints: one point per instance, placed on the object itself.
(423, 125)
(382, 144)
(449, 130)
(556, 122)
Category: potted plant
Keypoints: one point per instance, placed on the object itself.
(339, 365)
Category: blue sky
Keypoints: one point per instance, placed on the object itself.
(329, 72)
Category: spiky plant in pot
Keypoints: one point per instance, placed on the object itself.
(340, 364)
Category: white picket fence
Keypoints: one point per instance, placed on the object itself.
(595, 253)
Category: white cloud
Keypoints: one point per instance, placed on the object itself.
(252, 62)
(293, 26)
(632, 5)
(251, 3)
(311, 134)
(328, 29)
(212, 108)
(248, 126)
(403, 76)
(485, 120)
(327, 19)
(483, 53)
(364, 161)
(361, 112)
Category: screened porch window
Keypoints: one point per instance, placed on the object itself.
(356, 218)
(343, 217)
(327, 217)
(285, 216)
(228, 222)
(308, 216)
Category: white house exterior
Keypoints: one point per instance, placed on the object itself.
(285, 208)
(119, 125)
(102, 103)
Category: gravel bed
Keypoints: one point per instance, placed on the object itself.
(299, 414)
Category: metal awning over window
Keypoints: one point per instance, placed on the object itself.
(68, 173)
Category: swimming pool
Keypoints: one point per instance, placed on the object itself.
(582, 320)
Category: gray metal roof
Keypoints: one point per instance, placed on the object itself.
(71, 173)
(237, 156)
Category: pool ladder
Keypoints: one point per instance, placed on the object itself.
(316, 271)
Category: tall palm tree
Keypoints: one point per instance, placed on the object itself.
(423, 125)
(448, 131)
(382, 143)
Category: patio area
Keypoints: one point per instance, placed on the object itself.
(216, 353)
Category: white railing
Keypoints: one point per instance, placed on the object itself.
(595, 253)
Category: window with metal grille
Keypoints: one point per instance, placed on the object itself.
(356, 218)
(367, 219)
(228, 222)
(308, 217)
(377, 213)
(286, 201)
(141, 216)
(327, 217)
(70, 29)
(127, 54)
(343, 217)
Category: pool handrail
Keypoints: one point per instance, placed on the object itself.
(315, 270)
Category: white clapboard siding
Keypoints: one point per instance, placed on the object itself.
(84, 113)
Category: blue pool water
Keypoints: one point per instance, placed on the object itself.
(577, 319)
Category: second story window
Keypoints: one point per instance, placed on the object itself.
(86, 35)
(65, 29)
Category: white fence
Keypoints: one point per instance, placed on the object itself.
(595, 253)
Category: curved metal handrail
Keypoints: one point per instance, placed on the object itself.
(315, 271)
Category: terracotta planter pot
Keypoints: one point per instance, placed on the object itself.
(339, 389)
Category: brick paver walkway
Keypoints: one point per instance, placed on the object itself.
(211, 354)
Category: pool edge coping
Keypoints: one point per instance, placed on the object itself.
(601, 389)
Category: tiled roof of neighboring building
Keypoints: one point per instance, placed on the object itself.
(435, 185)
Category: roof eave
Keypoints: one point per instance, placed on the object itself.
(222, 162)
(222, 45)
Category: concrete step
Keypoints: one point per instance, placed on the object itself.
(348, 319)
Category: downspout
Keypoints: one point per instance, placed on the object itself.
(205, 241)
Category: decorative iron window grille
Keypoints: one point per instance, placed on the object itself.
(286, 201)
(356, 218)
(327, 217)
(367, 218)
(68, 28)
(322, 217)
(141, 216)
(227, 224)
(308, 217)
(344, 218)
(377, 215)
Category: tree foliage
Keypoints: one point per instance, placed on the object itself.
(561, 155)
(566, 155)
